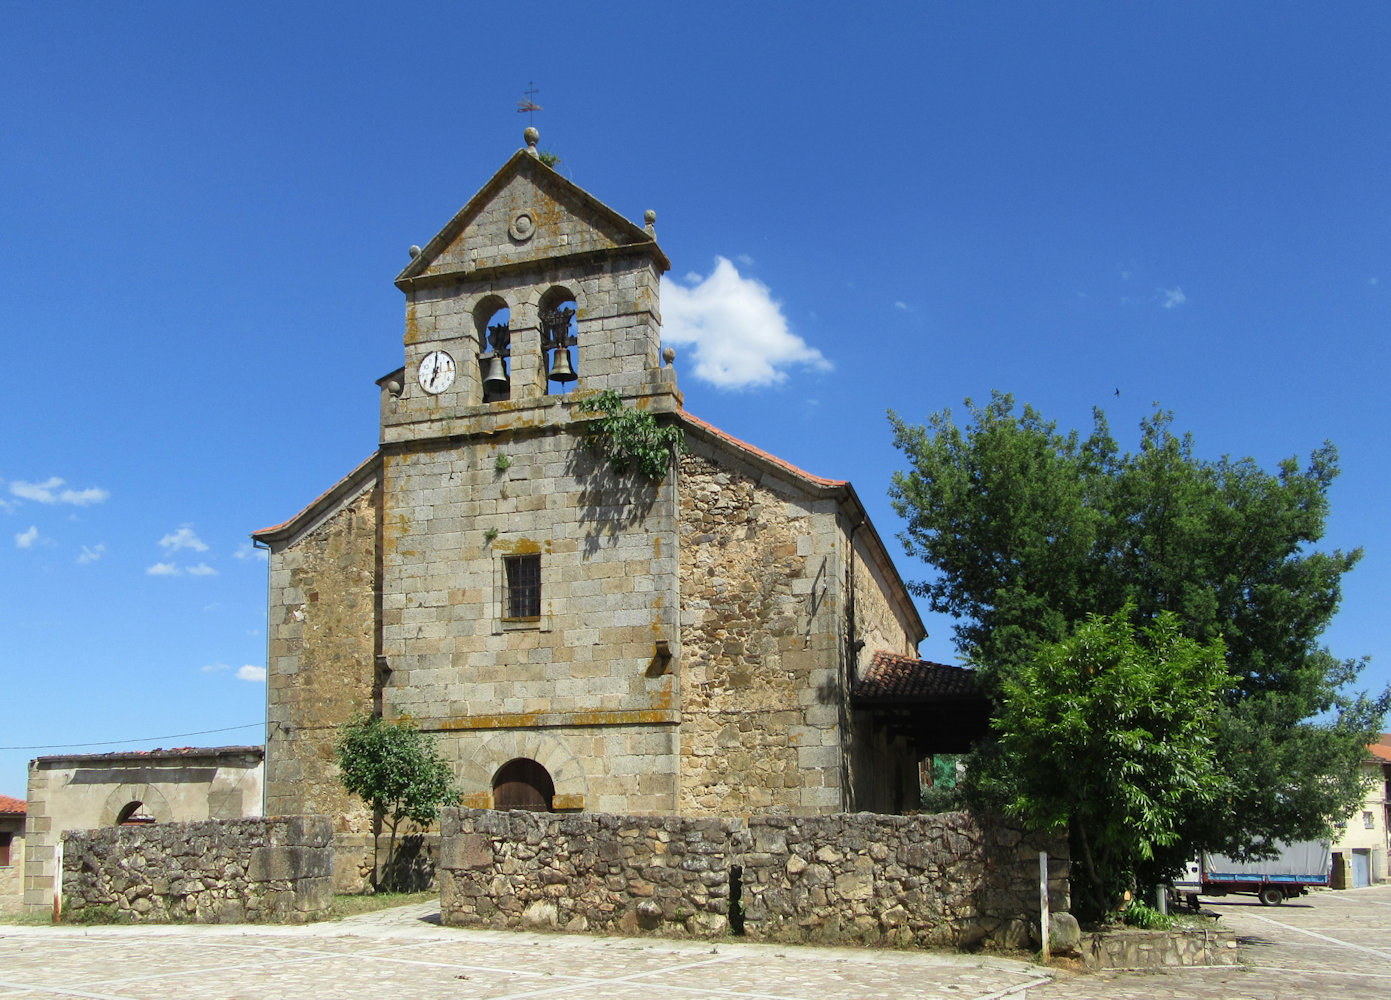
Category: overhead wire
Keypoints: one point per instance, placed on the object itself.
(143, 739)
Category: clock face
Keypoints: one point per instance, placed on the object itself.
(436, 372)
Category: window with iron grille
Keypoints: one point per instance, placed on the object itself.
(523, 600)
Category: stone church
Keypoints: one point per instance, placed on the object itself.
(733, 638)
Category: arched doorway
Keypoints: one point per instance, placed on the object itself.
(522, 783)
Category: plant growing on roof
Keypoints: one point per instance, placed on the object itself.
(630, 438)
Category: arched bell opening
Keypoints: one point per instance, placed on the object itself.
(522, 783)
(492, 319)
(559, 340)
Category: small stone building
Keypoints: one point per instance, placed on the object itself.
(11, 853)
(89, 791)
(578, 638)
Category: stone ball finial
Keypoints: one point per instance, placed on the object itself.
(668, 353)
(414, 251)
(532, 137)
(649, 217)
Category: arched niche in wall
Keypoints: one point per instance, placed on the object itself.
(492, 319)
(138, 801)
(559, 340)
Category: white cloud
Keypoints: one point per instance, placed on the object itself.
(164, 569)
(739, 333)
(91, 554)
(248, 551)
(50, 491)
(900, 305)
(202, 569)
(251, 673)
(184, 538)
(26, 539)
(1174, 297)
(213, 668)
(745, 259)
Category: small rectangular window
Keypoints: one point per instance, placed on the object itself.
(523, 601)
(1369, 821)
(5, 849)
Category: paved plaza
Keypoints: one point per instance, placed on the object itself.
(1330, 945)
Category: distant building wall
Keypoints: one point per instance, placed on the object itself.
(1366, 830)
(90, 791)
(11, 861)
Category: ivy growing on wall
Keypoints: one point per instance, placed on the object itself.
(630, 438)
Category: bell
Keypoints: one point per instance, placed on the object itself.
(561, 369)
(494, 373)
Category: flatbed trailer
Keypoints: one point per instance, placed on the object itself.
(1298, 868)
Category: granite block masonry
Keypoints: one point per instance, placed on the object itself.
(576, 637)
(916, 881)
(277, 870)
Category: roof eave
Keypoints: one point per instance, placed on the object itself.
(278, 534)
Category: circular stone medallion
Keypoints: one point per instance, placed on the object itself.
(523, 227)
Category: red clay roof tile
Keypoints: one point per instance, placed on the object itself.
(905, 678)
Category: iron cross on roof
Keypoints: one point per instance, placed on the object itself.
(528, 106)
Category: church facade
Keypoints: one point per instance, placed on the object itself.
(576, 637)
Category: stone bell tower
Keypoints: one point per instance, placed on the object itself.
(534, 291)
(529, 597)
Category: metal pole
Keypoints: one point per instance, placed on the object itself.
(1043, 900)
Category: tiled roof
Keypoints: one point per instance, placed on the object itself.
(891, 677)
(11, 806)
(1381, 749)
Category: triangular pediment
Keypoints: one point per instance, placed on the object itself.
(527, 212)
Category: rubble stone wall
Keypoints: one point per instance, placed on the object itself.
(217, 871)
(760, 645)
(320, 660)
(922, 881)
(947, 880)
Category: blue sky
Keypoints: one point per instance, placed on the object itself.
(887, 206)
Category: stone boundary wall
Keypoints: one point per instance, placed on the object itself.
(277, 870)
(944, 880)
(586, 871)
(920, 881)
(1139, 949)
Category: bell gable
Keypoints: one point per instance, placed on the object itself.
(525, 214)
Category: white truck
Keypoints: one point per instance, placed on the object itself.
(1274, 880)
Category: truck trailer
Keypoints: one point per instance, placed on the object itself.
(1296, 869)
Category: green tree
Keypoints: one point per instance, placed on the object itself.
(1108, 734)
(1031, 530)
(395, 769)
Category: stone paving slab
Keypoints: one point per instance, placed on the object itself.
(397, 954)
(1331, 945)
